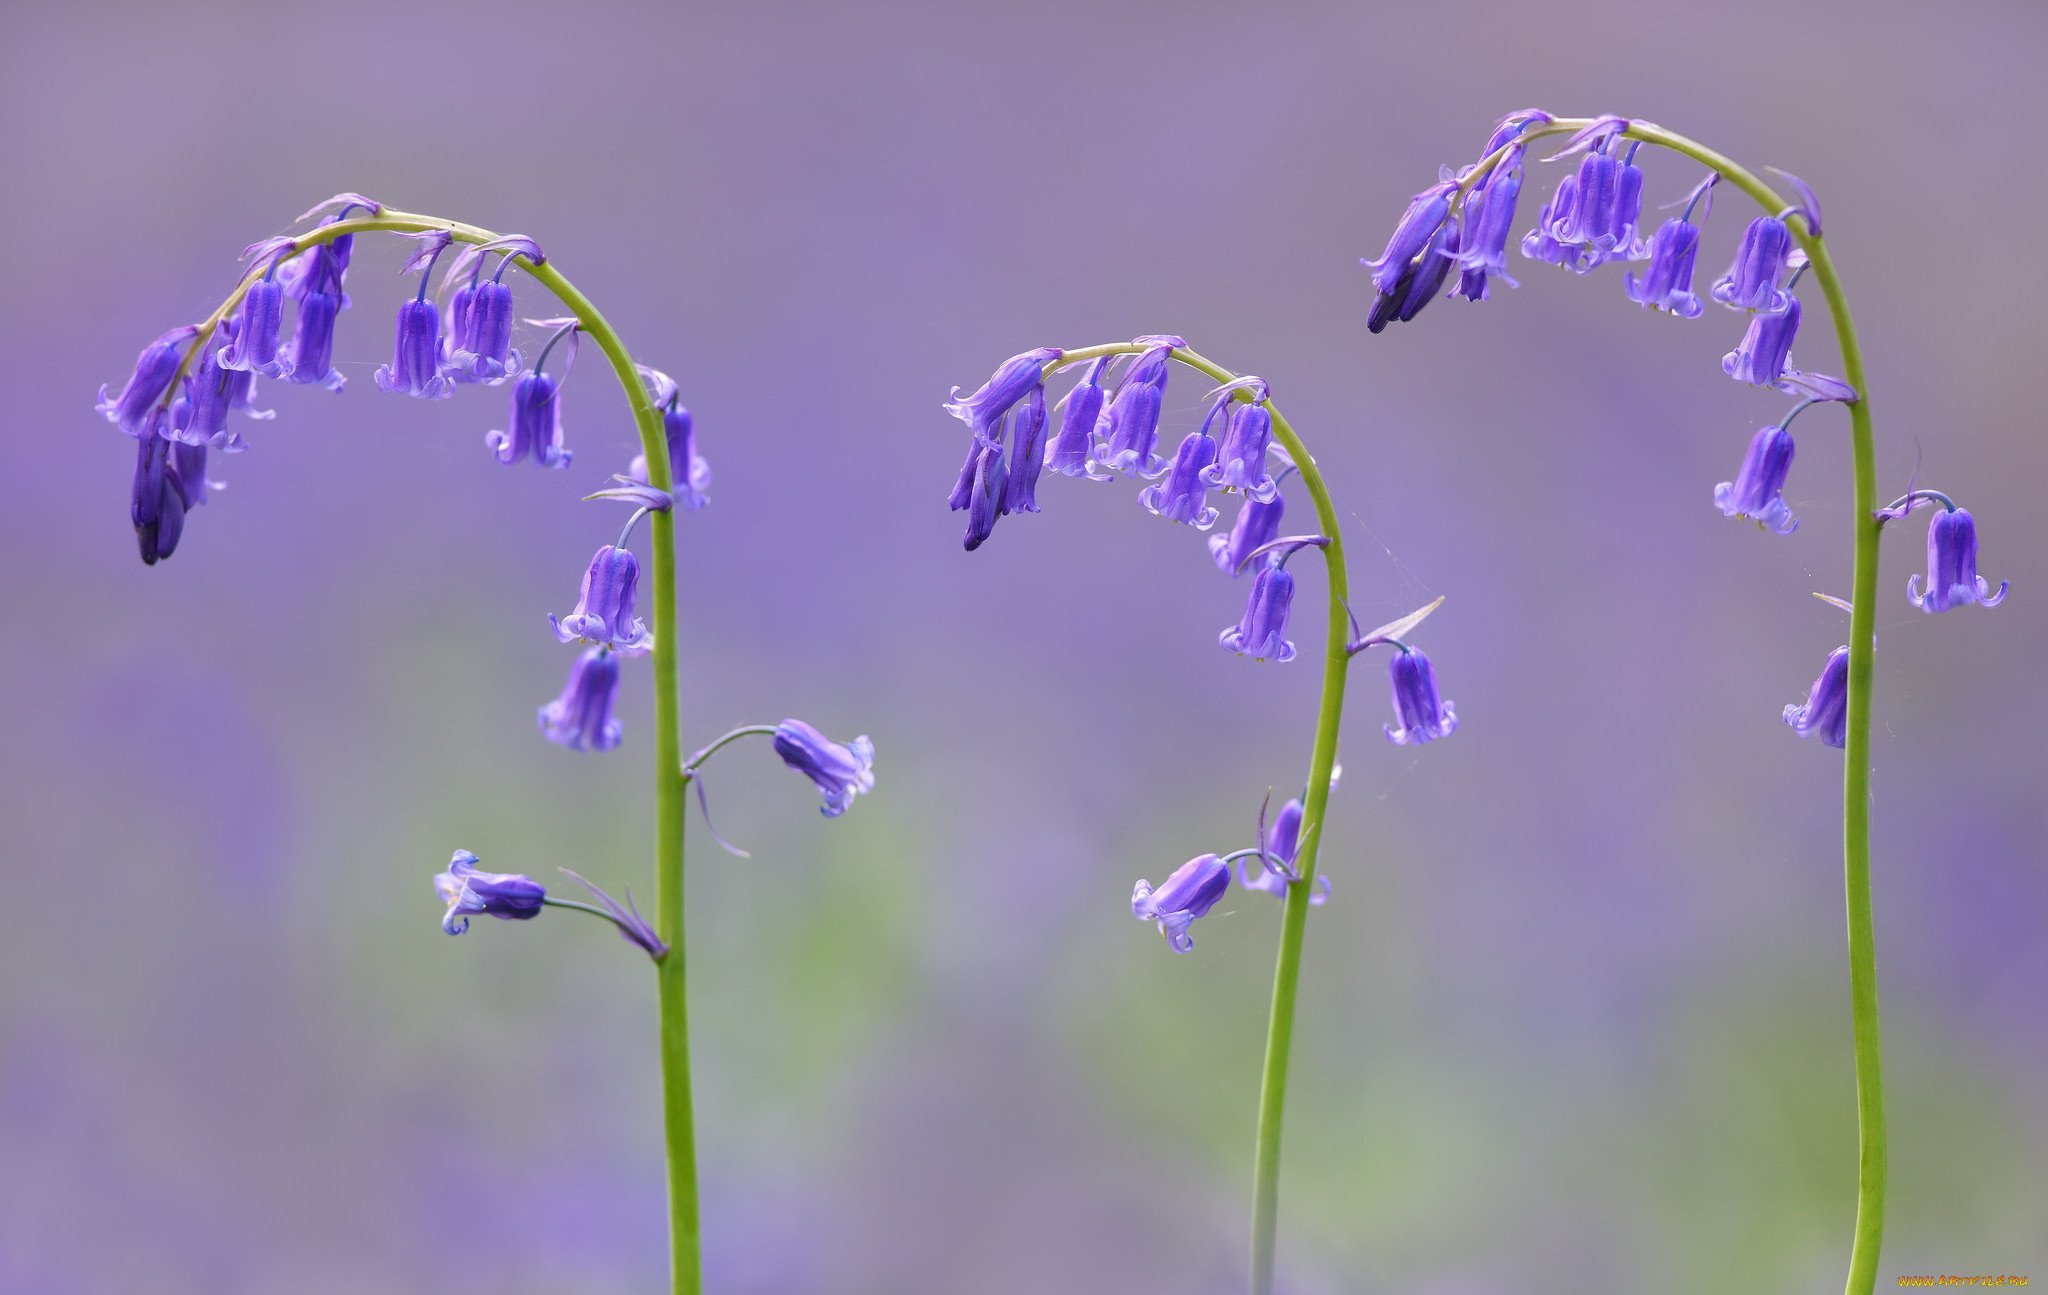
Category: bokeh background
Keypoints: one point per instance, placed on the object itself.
(1576, 1018)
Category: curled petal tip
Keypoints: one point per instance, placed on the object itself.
(341, 201)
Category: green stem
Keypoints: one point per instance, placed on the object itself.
(1323, 758)
(1870, 1125)
(670, 782)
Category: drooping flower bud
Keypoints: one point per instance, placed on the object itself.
(840, 770)
(1189, 893)
(604, 610)
(581, 718)
(468, 891)
(1420, 711)
(536, 425)
(1826, 711)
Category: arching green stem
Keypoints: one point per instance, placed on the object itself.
(669, 781)
(1322, 759)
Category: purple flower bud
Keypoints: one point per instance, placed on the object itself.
(1420, 284)
(1758, 488)
(156, 503)
(604, 610)
(1511, 128)
(415, 367)
(990, 402)
(536, 425)
(1071, 450)
(1189, 893)
(253, 344)
(1422, 714)
(1764, 354)
(1952, 578)
(1027, 455)
(1489, 219)
(1600, 217)
(1539, 244)
(1182, 496)
(217, 392)
(1257, 523)
(1283, 839)
(312, 349)
(841, 771)
(1419, 227)
(1241, 459)
(1262, 634)
(482, 334)
(1133, 417)
(468, 891)
(692, 472)
(321, 268)
(152, 377)
(981, 490)
(1667, 280)
(1752, 282)
(1826, 711)
(582, 716)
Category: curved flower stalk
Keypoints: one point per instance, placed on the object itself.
(1584, 223)
(177, 403)
(1104, 434)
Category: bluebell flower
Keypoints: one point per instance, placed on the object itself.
(156, 503)
(604, 608)
(1262, 634)
(468, 891)
(1606, 206)
(1758, 489)
(1488, 221)
(253, 342)
(1763, 356)
(980, 490)
(216, 393)
(691, 470)
(1027, 455)
(840, 770)
(1189, 893)
(1420, 711)
(536, 425)
(415, 368)
(1258, 523)
(1071, 451)
(1539, 244)
(147, 385)
(1419, 284)
(581, 718)
(1826, 711)
(1417, 232)
(991, 402)
(312, 348)
(1281, 842)
(1182, 495)
(1132, 436)
(1241, 458)
(1752, 282)
(1666, 283)
(1952, 579)
(482, 335)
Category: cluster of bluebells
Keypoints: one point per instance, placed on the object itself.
(1194, 888)
(1595, 215)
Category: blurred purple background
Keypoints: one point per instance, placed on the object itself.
(1576, 1018)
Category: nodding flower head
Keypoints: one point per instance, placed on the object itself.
(1071, 451)
(1752, 282)
(415, 368)
(536, 424)
(991, 402)
(1133, 417)
(691, 470)
(1758, 489)
(1764, 355)
(1262, 634)
(840, 770)
(1419, 230)
(604, 610)
(1419, 709)
(1419, 283)
(1826, 711)
(1258, 524)
(216, 393)
(1182, 495)
(1241, 459)
(1606, 205)
(253, 342)
(481, 334)
(980, 490)
(581, 718)
(152, 377)
(311, 358)
(1666, 283)
(1489, 220)
(156, 502)
(1189, 893)
(1273, 872)
(469, 891)
(1539, 244)
(1952, 579)
(1027, 455)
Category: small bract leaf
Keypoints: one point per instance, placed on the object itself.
(1400, 628)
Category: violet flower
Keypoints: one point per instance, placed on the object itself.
(985, 410)
(312, 347)
(1419, 284)
(1241, 459)
(604, 608)
(1758, 489)
(156, 503)
(1607, 203)
(1488, 221)
(1280, 843)
(1752, 282)
(536, 425)
(1764, 355)
(481, 336)
(1182, 495)
(1826, 711)
(840, 770)
(147, 384)
(1422, 714)
(980, 490)
(468, 891)
(1666, 283)
(692, 472)
(1419, 230)
(253, 343)
(1189, 893)
(1262, 634)
(1539, 244)
(1132, 434)
(1027, 455)
(415, 368)
(581, 718)
(217, 392)
(1952, 579)
(1258, 524)
(1070, 453)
